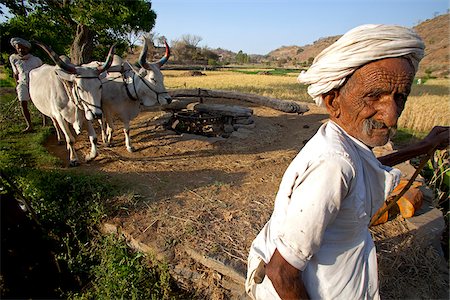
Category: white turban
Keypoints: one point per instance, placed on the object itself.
(20, 41)
(356, 48)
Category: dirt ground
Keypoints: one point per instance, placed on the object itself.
(198, 202)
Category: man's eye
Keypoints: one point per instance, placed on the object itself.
(372, 96)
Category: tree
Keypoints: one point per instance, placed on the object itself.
(80, 25)
(241, 57)
(186, 48)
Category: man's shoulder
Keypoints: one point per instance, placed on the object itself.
(330, 140)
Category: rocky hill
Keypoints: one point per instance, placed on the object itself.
(435, 33)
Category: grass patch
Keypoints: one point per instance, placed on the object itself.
(123, 274)
(25, 150)
(7, 82)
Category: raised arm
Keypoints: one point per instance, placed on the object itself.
(438, 138)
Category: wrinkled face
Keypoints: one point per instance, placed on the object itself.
(152, 91)
(89, 90)
(371, 101)
(22, 50)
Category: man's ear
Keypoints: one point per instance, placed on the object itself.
(331, 101)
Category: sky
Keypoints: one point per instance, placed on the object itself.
(258, 27)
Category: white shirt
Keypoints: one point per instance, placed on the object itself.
(21, 66)
(326, 199)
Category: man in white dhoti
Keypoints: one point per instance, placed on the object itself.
(317, 244)
(22, 63)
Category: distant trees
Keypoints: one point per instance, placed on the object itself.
(186, 49)
(242, 58)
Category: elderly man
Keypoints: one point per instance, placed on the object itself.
(317, 244)
(22, 63)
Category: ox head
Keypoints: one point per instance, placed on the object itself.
(86, 86)
(151, 87)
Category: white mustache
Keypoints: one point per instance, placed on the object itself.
(370, 124)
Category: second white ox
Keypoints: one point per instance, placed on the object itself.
(69, 94)
(126, 89)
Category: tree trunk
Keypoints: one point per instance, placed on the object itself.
(278, 104)
(82, 46)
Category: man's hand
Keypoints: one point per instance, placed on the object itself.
(285, 278)
(438, 138)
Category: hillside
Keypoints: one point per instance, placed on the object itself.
(435, 33)
(302, 55)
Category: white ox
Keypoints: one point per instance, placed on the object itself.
(125, 89)
(69, 94)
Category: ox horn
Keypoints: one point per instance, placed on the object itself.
(166, 56)
(143, 56)
(56, 59)
(108, 61)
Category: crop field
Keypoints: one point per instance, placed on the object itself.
(275, 86)
(427, 106)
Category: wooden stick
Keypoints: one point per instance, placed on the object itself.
(391, 201)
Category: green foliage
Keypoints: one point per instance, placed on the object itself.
(124, 274)
(242, 58)
(8, 82)
(212, 62)
(56, 22)
(437, 174)
(16, 148)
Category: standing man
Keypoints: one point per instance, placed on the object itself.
(317, 244)
(22, 63)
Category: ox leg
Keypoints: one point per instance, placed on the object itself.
(70, 141)
(126, 131)
(58, 131)
(93, 140)
(103, 129)
(109, 131)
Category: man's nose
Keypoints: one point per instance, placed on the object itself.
(391, 111)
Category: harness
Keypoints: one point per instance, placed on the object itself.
(133, 81)
(74, 96)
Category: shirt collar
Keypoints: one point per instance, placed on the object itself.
(355, 140)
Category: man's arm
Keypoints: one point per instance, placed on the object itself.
(285, 278)
(438, 138)
(14, 69)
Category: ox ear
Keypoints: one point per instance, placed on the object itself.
(64, 75)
